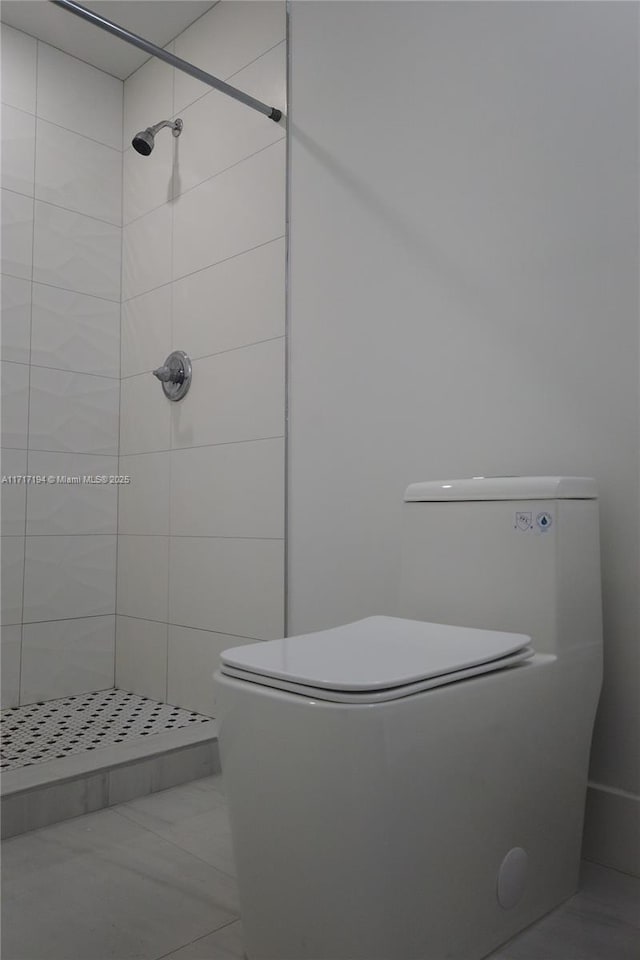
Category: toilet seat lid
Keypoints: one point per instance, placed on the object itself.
(374, 654)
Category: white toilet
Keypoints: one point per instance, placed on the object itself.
(411, 790)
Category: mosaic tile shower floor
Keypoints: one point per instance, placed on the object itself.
(54, 729)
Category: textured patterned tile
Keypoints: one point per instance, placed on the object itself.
(141, 657)
(226, 39)
(17, 234)
(234, 396)
(70, 725)
(72, 331)
(13, 495)
(77, 173)
(12, 553)
(18, 69)
(69, 576)
(146, 331)
(207, 227)
(76, 252)
(14, 379)
(16, 319)
(148, 97)
(18, 150)
(245, 312)
(68, 92)
(66, 657)
(146, 252)
(75, 507)
(211, 578)
(73, 412)
(10, 641)
(217, 131)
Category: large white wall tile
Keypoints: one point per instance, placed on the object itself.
(229, 586)
(236, 210)
(10, 642)
(234, 396)
(13, 496)
(66, 508)
(18, 150)
(194, 656)
(76, 252)
(229, 490)
(143, 506)
(73, 331)
(73, 412)
(145, 424)
(12, 556)
(17, 234)
(146, 252)
(224, 40)
(148, 98)
(79, 97)
(146, 331)
(68, 577)
(67, 657)
(16, 319)
(147, 183)
(14, 379)
(141, 657)
(232, 304)
(142, 576)
(18, 61)
(77, 173)
(219, 131)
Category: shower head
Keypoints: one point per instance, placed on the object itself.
(144, 140)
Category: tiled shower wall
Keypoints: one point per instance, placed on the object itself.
(61, 257)
(201, 525)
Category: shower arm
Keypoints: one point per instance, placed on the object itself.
(272, 112)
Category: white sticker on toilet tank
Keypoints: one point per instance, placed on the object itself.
(524, 520)
(543, 520)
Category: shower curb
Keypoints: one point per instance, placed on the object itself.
(45, 793)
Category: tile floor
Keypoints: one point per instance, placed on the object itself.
(154, 878)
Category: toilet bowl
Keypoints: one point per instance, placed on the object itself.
(404, 789)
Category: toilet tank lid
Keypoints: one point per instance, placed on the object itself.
(503, 488)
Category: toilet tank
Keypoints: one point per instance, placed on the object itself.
(519, 554)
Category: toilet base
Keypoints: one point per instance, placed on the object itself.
(378, 831)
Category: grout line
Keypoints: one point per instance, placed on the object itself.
(115, 619)
(287, 327)
(178, 846)
(81, 373)
(229, 923)
(54, 286)
(200, 446)
(76, 213)
(91, 616)
(184, 626)
(200, 183)
(171, 536)
(192, 273)
(26, 492)
(205, 356)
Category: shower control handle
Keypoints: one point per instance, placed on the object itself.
(175, 375)
(165, 374)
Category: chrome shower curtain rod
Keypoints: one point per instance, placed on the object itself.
(272, 112)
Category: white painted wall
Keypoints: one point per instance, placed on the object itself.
(61, 242)
(201, 526)
(464, 299)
